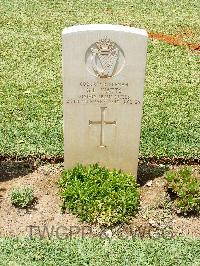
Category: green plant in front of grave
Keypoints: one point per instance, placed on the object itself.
(97, 194)
(22, 197)
(185, 188)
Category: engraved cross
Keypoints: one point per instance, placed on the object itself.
(102, 122)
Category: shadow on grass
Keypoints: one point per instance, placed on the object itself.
(149, 171)
(13, 169)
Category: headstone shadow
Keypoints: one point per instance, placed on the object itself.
(2, 190)
(14, 169)
(149, 171)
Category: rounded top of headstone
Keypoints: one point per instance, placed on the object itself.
(102, 27)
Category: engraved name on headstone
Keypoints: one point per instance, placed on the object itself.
(103, 76)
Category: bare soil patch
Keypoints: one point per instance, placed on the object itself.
(176, 40)
(155, 218)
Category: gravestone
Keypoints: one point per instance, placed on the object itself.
(103, 76)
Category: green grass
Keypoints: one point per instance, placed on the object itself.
(99, 195)
(99, 252)
(31, 83)
(22, 197)
(185, 190)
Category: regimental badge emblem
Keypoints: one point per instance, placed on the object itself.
(104, 58)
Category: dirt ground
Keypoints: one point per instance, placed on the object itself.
(176, 40)
(44, 219)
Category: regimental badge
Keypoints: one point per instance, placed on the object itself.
(104, 58)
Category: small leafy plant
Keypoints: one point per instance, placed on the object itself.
(186, 190)
(97, 194)
(22, 197)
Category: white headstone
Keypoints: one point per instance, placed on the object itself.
(103, 70)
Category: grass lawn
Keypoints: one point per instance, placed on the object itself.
(31, 82)
(99, 252)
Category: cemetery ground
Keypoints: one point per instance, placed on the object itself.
(155, 218)
(31, 127)
(47, 237)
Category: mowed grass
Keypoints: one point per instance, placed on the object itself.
(91, 251)
(31, 76)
